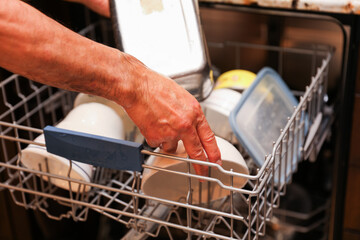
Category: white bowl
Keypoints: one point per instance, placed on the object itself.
(174, 187)
(132, 132)
(217, 108)
(92, 118)
(37, 158)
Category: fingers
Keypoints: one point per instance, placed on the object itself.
(169, 147)
(208, 141)
(152, 144)
(195, 150)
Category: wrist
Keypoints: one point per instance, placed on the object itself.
(126, 80)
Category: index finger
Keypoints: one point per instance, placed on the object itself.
(195, 150)
(208, 141)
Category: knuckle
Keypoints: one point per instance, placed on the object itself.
(213, 154)
(197, 107)
(197, 154)
(216, 156)
(209, 137)
(152, 141)
(185, 124)
(169, 150)
(202, 119)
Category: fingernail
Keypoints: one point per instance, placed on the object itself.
(219, 162)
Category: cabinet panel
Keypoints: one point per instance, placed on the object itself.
(5, 227)
(352, 200)
(355, 134)
(358, 75)
(15, 222)
(350, 235)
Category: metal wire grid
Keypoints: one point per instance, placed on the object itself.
(315, 219)
(117, 194)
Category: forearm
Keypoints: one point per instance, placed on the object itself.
(41, 49)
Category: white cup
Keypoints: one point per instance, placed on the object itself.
(92, 118)
(217, 108)
(132, 132)
(174, 187)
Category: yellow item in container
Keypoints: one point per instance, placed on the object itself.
(235, 79)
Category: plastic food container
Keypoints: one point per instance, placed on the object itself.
(262, 111)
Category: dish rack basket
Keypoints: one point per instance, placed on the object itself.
(27, 107)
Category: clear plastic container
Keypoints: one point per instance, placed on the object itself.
(261, 113)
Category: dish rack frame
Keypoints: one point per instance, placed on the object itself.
(243, 214)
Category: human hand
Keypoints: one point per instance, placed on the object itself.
(166, 113)
(99, 6)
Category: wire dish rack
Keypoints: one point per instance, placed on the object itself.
(27, 107)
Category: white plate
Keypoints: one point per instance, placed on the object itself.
(174, 187)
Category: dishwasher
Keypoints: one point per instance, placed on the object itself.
(264, 208)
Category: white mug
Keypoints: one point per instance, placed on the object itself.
(132, 132)
(174, 187)
(92, 118)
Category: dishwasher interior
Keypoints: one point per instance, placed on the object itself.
(306, 50)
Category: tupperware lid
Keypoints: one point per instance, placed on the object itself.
(261, 112)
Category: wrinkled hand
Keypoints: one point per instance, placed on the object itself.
(99, 6)
(166, 113)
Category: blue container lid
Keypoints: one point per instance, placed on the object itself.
(262, 111)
